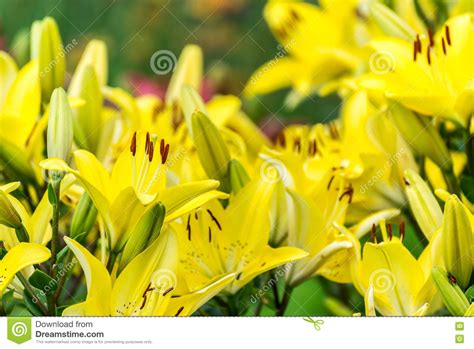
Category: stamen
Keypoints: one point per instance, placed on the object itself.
(179, 311)
(418, 42)
(214, 219)
(401, 229)
(297, 145)
(147, 142)
(349, 191)
(148, 289)
(428, 55)
(281, 139)
(210, 234)
(430, 35)
(415, 50)
(162, 146)
(373, 235)
(389, 232)
(188, 227)
(444, 46)
(151, 150)
(133, 144)
(406, 181)
(448, 35)
(238, 276)
(330, 182)
(164, 156)
(168, 291)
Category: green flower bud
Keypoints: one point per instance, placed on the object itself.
(60, 126)
(188, 72)
(211, 149)
(191, 101)
(421, 134)
(47, 48)
(423, 204)
(389, 22)
(144, 233)
(238, 176)
(8, 215)
(84, 217)
(456, 236)
(452, 295)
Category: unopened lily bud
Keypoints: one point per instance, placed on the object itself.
(453, 297)
(47, 49)
(95, 55)
(144, 233)
(190, 102)
(188, 72)
(84, 217)
(389, 22)
(211, 148)
(60, 126)
(457, 241)
(278, 215)
(238, 176)
(421, 134)
(85, 86)
(8, 215)
(423, 204)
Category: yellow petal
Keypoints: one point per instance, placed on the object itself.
(19, 257)
(187, 304)
(99, 284)
(8, 70)
(145, 285)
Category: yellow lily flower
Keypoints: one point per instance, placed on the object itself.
(318, 46)
(138, 178)
(401, 285)
(433, 75)
(216, 241)
(146, 287)
(18, 258)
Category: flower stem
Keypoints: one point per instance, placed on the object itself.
(56, 185)
(285, 301)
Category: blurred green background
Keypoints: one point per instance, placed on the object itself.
(232, 33)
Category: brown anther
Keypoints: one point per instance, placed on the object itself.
(443, 44)
(188, 227)
(209, 232)
(168, 291)
(349, 191)
(452, 279)
(147, 142)
(389, 232)
(214, 219)
(281, 139)
(448, 35)
(162, 146)
(415, 50)
(428, 55)
(430, 36)
(297, 145)
(179, 311)
(406, 181)
(133, 144)
(330, 182)
(144, 295)
(418, 43)
(151, 150)
(164, 156)
(295, 15)
(401, 229)
(373, 233)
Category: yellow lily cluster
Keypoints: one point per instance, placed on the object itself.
(177, 206)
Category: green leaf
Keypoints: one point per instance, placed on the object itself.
(470, 294)
(8, 302)
(53, 200)
(31, 303)
(43, 281)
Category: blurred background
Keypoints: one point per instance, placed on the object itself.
(232, 33)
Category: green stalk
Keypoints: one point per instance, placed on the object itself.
(54, 242)
(32, 293)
